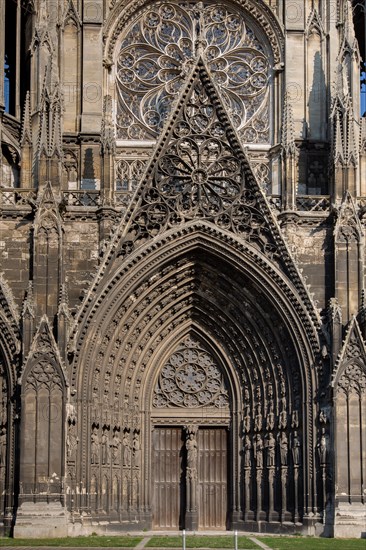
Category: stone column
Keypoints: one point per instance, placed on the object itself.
(247, 449)
(191, 519)
(271, 476)
(258, 449)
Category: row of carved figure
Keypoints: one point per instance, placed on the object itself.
(107, 448)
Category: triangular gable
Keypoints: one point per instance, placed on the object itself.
(44, 347)
(353, 351)
(71, 15)
(48, 214)
(348, 226)
(199, 171)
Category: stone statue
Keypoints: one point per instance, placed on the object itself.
(126, 450)
(322, 417)
(246, 423)
(192, 453)
(283, 448)
(295, 419)
(115, 445)
(296, 449)
(270, 416)
(322, 449)
(258, 449)
(282, 419)
(94, 447)
(136, 450)
(247, 452)
(3, 447)
(105, 446)
(271, 450)
(71, 442)
(258, 419)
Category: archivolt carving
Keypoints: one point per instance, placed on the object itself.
(190, 378)
(151, 75)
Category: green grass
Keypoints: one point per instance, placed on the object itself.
(193, 541)
(197, 541)
(86, 542)
(311, 543)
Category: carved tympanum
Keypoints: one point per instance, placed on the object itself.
(190, 378)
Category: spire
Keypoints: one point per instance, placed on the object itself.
(363, 135)
(108, 138)
(288, 129)
(26, 136)
(314, 23)
(349, 31)
(43, 135)
(339, 157)
(56, 108)
(71, 14)
(42, 19)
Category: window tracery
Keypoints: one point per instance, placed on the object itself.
(190, 378)
(159, 50)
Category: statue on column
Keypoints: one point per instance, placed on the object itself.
(271, 450)
(258, 419)
(258, 450)
(3, 446)
(296, 449)
(105, 446)
(136, 450)
(247, 452)
(192, 454)
(283, 448)
(322, 449)
(116, 442)
(94, 446)
(71, 442)
(126, 450)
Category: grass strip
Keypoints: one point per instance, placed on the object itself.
(197, 541)
(312, 543)
(82, 542)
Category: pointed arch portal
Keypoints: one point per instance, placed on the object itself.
(194, 342)
(195, 350)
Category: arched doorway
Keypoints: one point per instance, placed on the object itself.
(251, 332)
(191, 414)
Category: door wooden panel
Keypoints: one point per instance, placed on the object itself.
(168, 480)
(212, 478)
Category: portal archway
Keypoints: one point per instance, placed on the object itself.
(202, 287)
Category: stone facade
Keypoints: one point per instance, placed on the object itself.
(182, 232)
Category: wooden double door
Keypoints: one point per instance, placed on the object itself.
(169, 483)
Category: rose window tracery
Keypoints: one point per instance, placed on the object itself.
(160, 49)
(201, 175)
(190, 378)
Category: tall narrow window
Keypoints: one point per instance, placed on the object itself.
(10, 56)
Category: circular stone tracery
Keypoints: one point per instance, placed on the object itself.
(190, 379)
(160, 49)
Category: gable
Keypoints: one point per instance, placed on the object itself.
(199, 173)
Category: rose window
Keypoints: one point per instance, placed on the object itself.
(190, 379)
(160, 49)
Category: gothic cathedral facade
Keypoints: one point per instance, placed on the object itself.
(182, 244)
